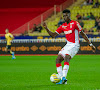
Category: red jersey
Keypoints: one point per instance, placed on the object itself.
(71, 31)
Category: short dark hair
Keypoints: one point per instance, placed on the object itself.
(66, 11)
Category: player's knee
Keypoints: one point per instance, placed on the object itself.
(67, 58)
(6, 50)
(59, 59)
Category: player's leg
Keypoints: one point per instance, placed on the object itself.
(58, 65)
(12, 53)
(66, 68)
(68, 55)
(8, 49)
(67, 52)
(66, 65)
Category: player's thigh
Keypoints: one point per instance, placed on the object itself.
(67, 58)
(69, 50)
(59, 59)
(74, 51)
(9, 47)
(65, 50)
(6, 49)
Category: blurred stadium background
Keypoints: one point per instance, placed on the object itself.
(24, 19)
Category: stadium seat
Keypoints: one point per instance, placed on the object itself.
(76, 9)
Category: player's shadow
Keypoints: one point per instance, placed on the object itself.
(40, 86)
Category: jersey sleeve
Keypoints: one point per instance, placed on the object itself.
(59, 30)
(78, 27)
(11, 35)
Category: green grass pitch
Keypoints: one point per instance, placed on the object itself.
(33, 73)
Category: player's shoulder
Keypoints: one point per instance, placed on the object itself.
(9, 33)
(62, 25)
(74, 21)
(6, 34)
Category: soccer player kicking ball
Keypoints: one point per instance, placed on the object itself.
(9, 37)
(71, 29)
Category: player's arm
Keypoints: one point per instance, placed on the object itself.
(53, 35)
(11, 36)
(86, 38)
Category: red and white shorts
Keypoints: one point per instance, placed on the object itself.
(69, 49)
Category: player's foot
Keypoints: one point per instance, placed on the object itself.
(63, 81)
(12, 54)
(59, 82)
(14, 57)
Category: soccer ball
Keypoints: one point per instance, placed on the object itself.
(54, 78)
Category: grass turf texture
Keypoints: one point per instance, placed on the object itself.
(33, 73)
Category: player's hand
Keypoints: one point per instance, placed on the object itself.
(44, 25)
(10, 41)
(93, 48)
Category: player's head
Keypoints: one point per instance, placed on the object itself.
(66, 15)
(7, 30)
